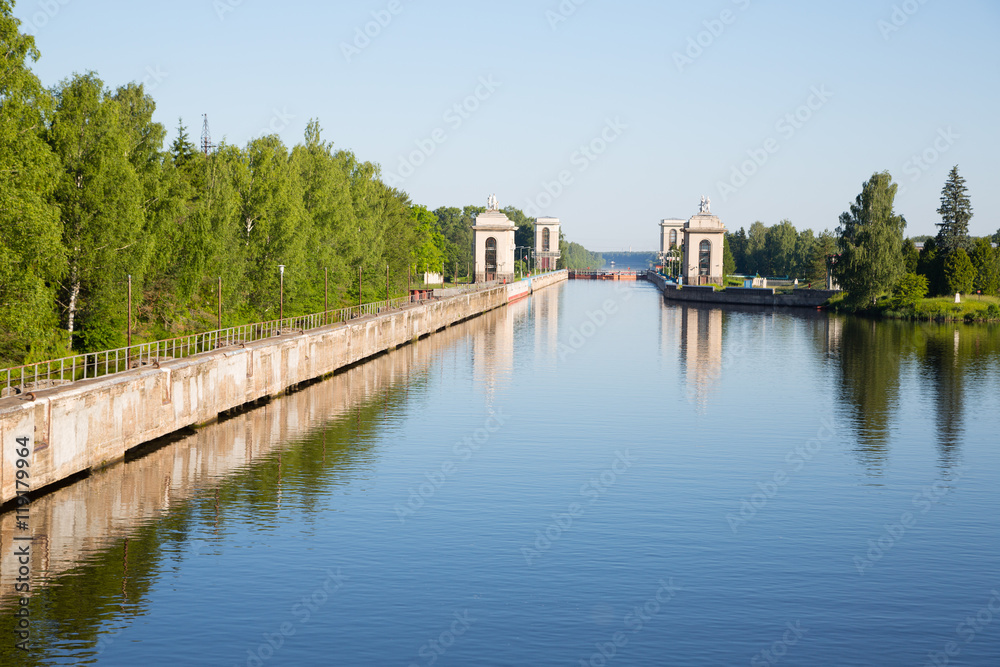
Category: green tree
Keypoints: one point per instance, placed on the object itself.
(270, 226)
(779, 248)
(824, 247)
(455, 225)
(802, 257)
(100, 197)
(429, 251)
(959, 273)
(728, 262)
(955, 212)
(986, 261)
(870, 238)
(738, 247)
(32, 258)
(757, 261)
(329, 224)
(911, 256)
(930, 263)
(164, 192)
(910, 289)
(182, 150)
(524, 235)
(575, 256)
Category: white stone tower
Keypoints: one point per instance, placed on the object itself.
(493, 236)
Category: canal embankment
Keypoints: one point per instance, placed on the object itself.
(739, 296)
(86, 425)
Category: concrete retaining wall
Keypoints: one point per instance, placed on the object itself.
(91, 423)
(741, 296)
(113, 502)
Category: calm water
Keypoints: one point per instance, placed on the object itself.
(589, 477)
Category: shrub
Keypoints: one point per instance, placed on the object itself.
(959, 273)
(910, 289)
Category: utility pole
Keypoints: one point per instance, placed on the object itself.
(326, 295)
(220, 303)
(387, 283)
(359, 290)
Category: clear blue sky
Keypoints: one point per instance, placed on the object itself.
(921, 83)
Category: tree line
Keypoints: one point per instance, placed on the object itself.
(874, 260)
(869, 254)
(781, 250)
(90, 194)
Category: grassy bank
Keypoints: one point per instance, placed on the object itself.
(936, 309)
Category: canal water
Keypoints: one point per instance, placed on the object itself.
(589, 477)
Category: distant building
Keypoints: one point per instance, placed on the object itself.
(547, 252)
(493, 237)
(704, 247)
(671, 235)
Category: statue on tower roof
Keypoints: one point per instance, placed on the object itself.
(493, 204)
(706, 205)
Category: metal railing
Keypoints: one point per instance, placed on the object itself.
(57, 372)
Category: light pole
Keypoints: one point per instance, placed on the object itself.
(281, 297)
(128, 356)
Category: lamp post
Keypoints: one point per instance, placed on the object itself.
(281, 297)
(128, 356)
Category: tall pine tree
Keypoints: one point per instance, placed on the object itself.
(955, 212)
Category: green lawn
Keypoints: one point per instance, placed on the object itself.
(973, 308)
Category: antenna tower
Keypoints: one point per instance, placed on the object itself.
(206, 137)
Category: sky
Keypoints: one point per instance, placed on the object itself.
(608, 115)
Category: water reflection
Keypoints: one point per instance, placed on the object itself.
(99, 544)
(873, 355)
(942, 369)
(868, 359)
(545, 310)
(701, 332)
(493, 350)
(869, 362)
